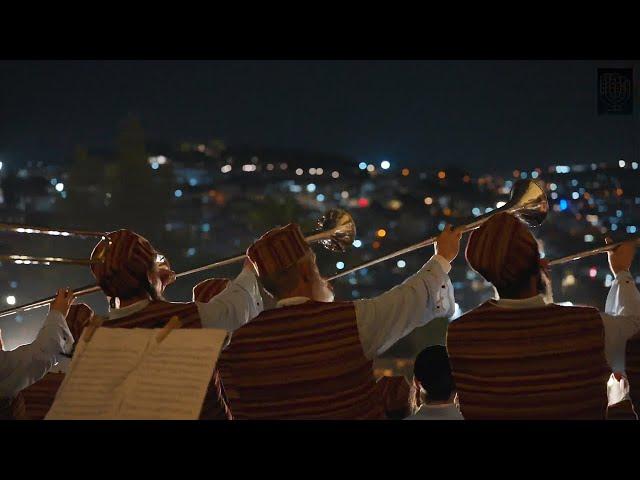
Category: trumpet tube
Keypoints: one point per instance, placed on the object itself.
(528, 202)
(589, 253)
(338, 231)
(31, 260)
(16, 228)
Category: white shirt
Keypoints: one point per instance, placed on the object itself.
(238, 303)
(27, 364)
(438, 411)
(621, 318)
(387, 318)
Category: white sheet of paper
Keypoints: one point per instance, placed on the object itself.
(125, 374)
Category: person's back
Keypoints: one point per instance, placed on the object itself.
(519, 356)
(132, 277)
(544, 362)
(311, 357)
(300, 361)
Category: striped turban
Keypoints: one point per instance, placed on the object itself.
(207, 289)
(123, 261)
(278, 250)
(503, 250)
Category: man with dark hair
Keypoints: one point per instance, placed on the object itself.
(520, 356)
(435, 395)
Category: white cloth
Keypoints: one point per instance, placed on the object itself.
(27, 364)
(238, 303)
(438, 411)
(621, 319)
(385, 319)
(617, 390)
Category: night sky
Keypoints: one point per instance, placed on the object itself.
(479, 115)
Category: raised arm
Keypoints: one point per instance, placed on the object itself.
(623, 298)
(426, 295)
(622, 311)
(27, 364)
(238, 303)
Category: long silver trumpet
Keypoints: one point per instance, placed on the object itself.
(34, 260)
(62, 232)
(528, 201)
(594, 251)
(336, 231)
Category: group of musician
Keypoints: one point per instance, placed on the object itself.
(294, 352)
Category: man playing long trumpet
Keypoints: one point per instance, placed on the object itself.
(520, 356)
(38, 398)
(311, 357)
(134, 281)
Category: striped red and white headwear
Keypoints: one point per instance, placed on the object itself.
(123, 261)
(207, 289)
(503, 250)
(278, 249)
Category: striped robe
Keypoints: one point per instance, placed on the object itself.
(38, 398)
(12, 408)
(156, 315)
(300, 362)
(217, 408)
(395, 393)
(534, 363)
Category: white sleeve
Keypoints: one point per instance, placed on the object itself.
(621, 319)
(385, 319)
(27, 364)
(623, 297)
(234, 306)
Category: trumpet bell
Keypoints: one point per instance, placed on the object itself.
(529, 202)
(340, 229)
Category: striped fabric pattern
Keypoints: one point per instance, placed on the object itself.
(502, 250)
(124, 263)
(278, 249)
(157, 314)
(300, 362)
(216, 408)
(39, 397)
(632, 368)
(209, 288)
(395, 396)
(12, 408)
(537, 363)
